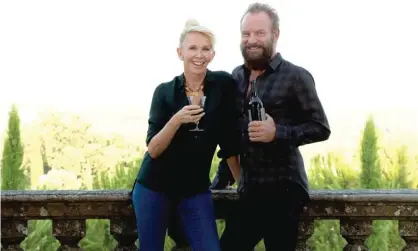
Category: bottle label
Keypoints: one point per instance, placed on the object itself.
(259, 115)
(262, 114)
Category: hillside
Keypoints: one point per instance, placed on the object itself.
(397, 126)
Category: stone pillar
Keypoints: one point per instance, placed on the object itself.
(125, 233)
(69, 233)
(12, 234)
(408, 230)
(306, 229)
(355, 232)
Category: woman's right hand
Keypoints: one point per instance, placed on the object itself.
(189, 114)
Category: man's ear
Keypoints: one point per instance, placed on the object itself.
(276, 34)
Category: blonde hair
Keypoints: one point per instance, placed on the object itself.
(192, 25)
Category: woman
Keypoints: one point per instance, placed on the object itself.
(175, 169)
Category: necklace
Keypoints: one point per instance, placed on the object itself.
(195, 92)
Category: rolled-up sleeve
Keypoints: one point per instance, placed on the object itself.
(229, 141)
(157, 114)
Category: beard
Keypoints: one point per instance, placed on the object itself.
(257, 61)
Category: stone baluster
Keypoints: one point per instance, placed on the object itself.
(125, 233)
(69, 233)
(408, 230)
(306, 229)
(355, 232)
(12, 234)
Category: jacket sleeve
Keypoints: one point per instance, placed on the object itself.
(157, 114)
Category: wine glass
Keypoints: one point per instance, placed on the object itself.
(195, 100)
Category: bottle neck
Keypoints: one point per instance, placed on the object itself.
(253, 89)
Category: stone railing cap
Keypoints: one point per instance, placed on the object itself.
(399, 195)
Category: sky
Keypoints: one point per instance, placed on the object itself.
(91, 53)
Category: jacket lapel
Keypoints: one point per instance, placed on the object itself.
(212, 92)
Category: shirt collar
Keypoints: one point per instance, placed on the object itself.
(181, 79)
(275, 62)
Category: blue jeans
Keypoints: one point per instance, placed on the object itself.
(222, 179)
(196, 214)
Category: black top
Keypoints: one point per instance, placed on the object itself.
(290, 98)
(183, 168)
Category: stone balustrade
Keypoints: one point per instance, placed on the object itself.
(68, 210)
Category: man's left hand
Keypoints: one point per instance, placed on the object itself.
(262, 131)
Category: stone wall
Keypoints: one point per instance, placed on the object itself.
(356, 209)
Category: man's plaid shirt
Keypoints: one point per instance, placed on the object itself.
(290, 98)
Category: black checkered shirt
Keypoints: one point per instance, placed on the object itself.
(290, 98)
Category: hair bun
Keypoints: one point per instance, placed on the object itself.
(190, 23)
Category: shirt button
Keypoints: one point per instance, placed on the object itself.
(195, 137)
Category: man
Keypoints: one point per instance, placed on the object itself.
(273, 187)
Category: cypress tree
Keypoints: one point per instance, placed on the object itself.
(13, 175)
(370, 165)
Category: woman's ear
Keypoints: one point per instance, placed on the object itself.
(212, 56)
(180, 54)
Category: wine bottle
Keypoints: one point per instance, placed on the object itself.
(255, 105)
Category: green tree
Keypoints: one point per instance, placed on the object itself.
(370, 165)
(404, 173)
(12, 171)
(329, 172)
(70, 143)
(382, 238)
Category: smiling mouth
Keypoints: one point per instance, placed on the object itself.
(198, 63)
(254, 48)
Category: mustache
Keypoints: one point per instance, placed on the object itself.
(247, 46)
